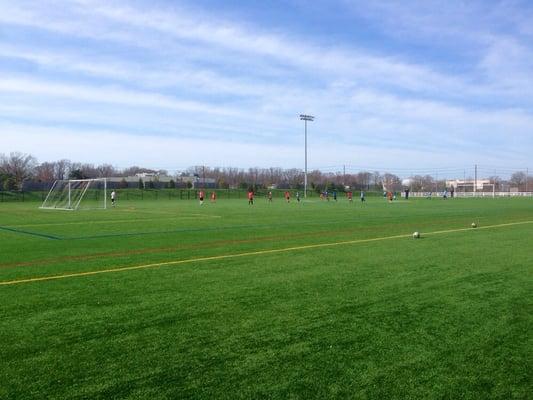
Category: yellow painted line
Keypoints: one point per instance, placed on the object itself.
(479, 227)
(250, 253)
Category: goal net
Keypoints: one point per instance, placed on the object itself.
(77, 194)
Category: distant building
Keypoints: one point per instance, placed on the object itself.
(468, 185)
(147, 175)
(198, 182)
(155, 180)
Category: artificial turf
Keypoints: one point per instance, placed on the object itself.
(445, 316)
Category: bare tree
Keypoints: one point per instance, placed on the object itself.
(363, 179)
(391, 182)
(62, 169)
(422, 183)
(519, 179)
(18, 165)
(45, 172)
(105, 170)
(376, 179)
(497, 181)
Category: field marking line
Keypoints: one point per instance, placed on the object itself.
(41, 235)
(250, 253)
(112, 221)
(216, 243)
(203, 229)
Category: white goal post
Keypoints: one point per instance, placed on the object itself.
(76, 194)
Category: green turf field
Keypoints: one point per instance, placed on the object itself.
(168, 299)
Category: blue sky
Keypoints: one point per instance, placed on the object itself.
(410, 85)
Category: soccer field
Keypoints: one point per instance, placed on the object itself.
(168, 299)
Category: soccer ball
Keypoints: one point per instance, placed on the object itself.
(474, 225)
(416, 235)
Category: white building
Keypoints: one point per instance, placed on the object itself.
(468, 184)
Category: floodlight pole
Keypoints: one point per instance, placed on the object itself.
(306, 118)
(527, 176)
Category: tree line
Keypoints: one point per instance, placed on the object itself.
(17, 168)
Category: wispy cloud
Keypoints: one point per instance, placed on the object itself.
(134, 71)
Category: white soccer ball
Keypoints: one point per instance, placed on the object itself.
(416, 235)
(474, 225)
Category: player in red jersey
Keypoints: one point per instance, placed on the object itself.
(288, 196)
(201, 197)
(213, 197)
(250, 197)
(350, 196)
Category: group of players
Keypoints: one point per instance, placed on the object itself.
(201, 197)
(323, 196)
(251, 195)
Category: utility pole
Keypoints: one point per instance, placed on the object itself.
(306, 118)
(464, 182)
(344, 175)
(475, 179)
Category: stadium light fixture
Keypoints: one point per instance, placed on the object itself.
(306, 118)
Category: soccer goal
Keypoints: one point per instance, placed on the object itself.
(77, 194)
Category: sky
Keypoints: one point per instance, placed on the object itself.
(404, 86)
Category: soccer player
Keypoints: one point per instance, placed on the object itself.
(288, 196)
(389, 196)
(251, 197)
(362, 196)
(350, 196)
(298, 197)
(113, 196)
(201, 197)
(335, 195)
(270, 197)
(213, 197)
